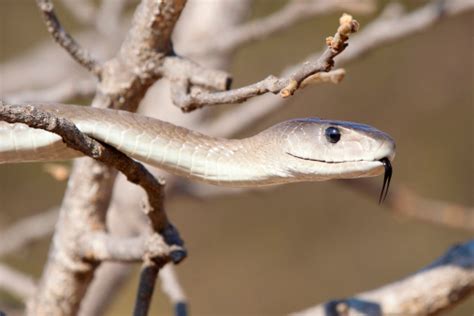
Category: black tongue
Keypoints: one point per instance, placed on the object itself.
(386, 179)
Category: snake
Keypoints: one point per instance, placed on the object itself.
(296, 150)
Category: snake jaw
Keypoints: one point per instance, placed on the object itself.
(384, 161)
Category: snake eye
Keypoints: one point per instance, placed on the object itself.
(332, 134)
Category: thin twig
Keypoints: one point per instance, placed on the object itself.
(58, 33)
(392, 24)
(101, 246)
(179, 69)
(188, 99)
(389, 27)
(146, 288)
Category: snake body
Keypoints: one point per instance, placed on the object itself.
(292, 151)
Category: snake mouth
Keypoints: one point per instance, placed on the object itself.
(385, 162)
(332, 162)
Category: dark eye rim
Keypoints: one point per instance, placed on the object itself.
(333, 134)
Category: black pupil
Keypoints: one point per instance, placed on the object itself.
(333, 134)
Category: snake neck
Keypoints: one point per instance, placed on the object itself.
(235, 162)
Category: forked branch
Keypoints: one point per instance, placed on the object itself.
(134, 171)
(188, 98)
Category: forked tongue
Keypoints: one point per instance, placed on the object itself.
(386, 179)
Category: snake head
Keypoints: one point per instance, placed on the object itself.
(322, 149)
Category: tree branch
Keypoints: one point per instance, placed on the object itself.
(392, 25)
(123, 83)
(389, 27)
(146, 287)
(127, 77)
(75, 139)
(281, 101)
(102, 246)
(437, 287)
(99, 246)
(177, 69)
(188, 99)
(65, 40)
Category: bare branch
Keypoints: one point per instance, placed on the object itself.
(123, 83)
(101, 246)
(126, 96)
(152, 264)
(333, 76)
(27, 230)
(392, 25)
(126, 78)
(188, 99)
(65, 40)
(179, 69)
(388, 28)
(439, 286)
(135, 172)
(294, 11)
(225, 15)
(151, 29)
(16, 282)
(146, 288)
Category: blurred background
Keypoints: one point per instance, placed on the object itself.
(276, 251)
